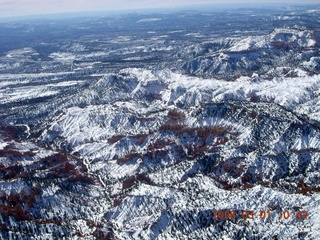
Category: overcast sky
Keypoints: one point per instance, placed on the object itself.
(9, 8)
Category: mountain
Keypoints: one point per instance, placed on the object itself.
(158, 126)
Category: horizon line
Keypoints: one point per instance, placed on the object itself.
(194, 7)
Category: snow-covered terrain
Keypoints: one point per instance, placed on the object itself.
(138, 128)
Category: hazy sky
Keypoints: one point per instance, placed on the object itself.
(10, 8)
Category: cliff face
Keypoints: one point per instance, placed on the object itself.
(207, 139)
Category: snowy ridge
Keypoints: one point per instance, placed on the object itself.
(143, 142)
(231, 58)
(152, 126)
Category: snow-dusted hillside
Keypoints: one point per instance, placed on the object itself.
(152, 136)
(134, 128)
(283, 52)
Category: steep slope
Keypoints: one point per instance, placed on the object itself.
(148, 151)
(44, 193)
